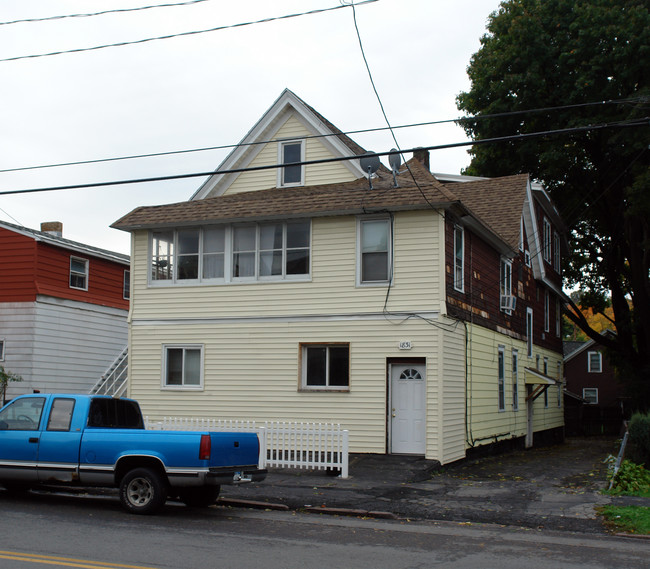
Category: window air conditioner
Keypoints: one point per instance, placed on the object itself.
(508, 302)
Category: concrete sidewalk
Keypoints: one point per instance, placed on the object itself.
(556, 487)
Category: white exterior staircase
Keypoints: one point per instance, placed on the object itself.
(115, 379)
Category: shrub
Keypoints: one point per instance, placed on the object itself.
(639, 443)
(630, 477)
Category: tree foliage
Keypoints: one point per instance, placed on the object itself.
(5, 378)
(587, 61)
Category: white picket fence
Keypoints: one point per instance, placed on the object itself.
(283, 444)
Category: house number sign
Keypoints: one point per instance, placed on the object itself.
(405, 345)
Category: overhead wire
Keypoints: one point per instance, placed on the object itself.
(182, 34)
(617, 124)
(103, 12)
(317, 136)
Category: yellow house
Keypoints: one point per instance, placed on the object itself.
(420, 312)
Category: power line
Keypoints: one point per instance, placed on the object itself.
(116, 11)
(316, 136)
(182, 34)
(573, 130)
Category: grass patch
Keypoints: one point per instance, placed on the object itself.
(627, 519)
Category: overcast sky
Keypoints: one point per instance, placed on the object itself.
(209, 89)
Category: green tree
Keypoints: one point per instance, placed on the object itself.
(5, 378)
(589, 60)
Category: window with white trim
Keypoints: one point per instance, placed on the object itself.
(325, 367)
(558, 318)
(502, 378)
(182, 366)
(557, 259)
(231, 253)
(590, 395)
(126, 285)
(374, 245)
(459, 258)
(505, 280)
(559, 384)
(547, 311)
(529, 332)
(515, 380)
(291, 153)
(79, 273)
(547, 240)
(2, 350)
(521, 233)
(546, 390)
(594, 362)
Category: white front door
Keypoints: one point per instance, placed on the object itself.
(407, 410)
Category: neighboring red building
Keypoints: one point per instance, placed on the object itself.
(63, 309)
(596, 403)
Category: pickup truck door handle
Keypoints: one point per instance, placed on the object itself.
(33, 439)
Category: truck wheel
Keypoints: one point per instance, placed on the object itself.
(200, 497)
(143, 491)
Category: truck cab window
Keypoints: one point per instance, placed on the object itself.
(60, 415)
(22, 414)
(115, 414)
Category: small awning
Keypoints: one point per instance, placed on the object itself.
(534, 377)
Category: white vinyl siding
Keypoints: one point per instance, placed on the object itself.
(331, 288)
(314, 149)
(60, 346)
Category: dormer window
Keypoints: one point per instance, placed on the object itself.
(290, 154)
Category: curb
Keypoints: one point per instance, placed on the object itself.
(237, 503)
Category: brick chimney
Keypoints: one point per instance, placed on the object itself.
(53, 228)
(422, 155)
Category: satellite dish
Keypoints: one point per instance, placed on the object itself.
(395, 161)
(369, 163)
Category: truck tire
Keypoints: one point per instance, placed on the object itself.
(143, 491)
(199, 497)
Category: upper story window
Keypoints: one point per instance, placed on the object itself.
(374, 244)
(505, 286)
(594, 362)
(2, 351)
(547, 240)
(547, 311)
(459, 258)
(558, 318)
(291, 153)
(126, 285)
(257, 251)
(78, 273)
(557, 259)
(529, 332)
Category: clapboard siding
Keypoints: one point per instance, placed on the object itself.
(315, 174)
(486, 423)
(17, 267)
(105, 279)
(252, 371)
(331, 289)
(60, 346)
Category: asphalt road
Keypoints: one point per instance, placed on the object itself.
(89, 531)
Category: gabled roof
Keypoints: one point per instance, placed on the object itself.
(287, 104)
(591, 343)
(56, 241)
(346, 198)
(497, 202)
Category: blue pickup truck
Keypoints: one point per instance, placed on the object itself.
(84, 440)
